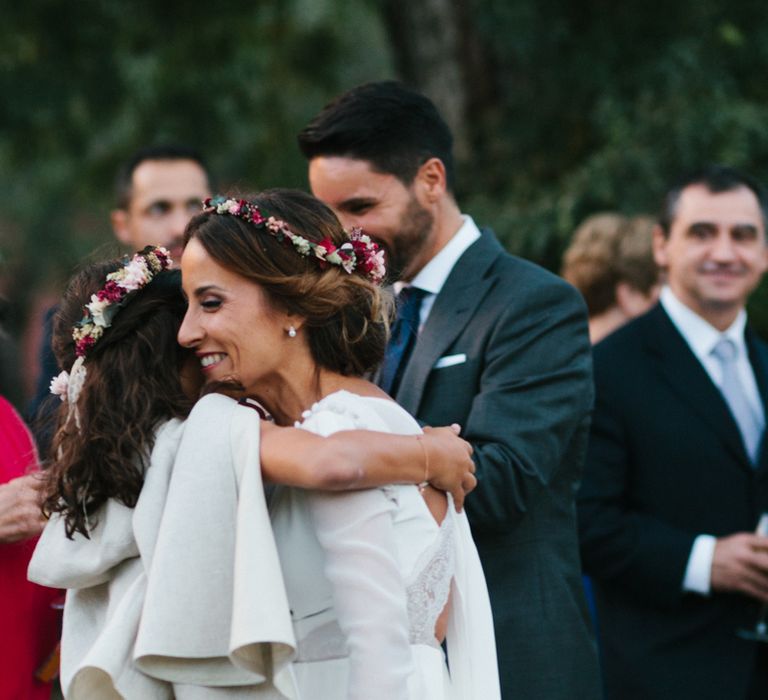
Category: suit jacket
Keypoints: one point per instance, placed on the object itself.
(523, 397)
(666, 463)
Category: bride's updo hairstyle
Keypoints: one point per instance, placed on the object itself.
(346, 314)
(132, 384)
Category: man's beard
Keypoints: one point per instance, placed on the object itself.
(409, 242)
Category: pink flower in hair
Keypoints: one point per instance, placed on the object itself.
(59, 385)
(133, 275)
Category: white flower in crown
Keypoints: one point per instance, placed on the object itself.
(97, 308)
(76, 380)
(133, 275)
(86, 329)
(59, 385)
(302, 245)
(334, 258)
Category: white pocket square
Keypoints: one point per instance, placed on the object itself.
(450, 360)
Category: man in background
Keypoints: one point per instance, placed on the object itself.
(486, 340)
(676, 475)
(158, 190)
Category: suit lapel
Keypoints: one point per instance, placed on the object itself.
(467, 285)
(685, 375)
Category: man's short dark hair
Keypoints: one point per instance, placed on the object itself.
(717, 179)
(394, 128)
(124, 179)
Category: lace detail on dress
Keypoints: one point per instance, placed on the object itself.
(429, 588)
(427, 594)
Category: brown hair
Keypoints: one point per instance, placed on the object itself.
(132, 385)
(608, 249)
(346, 315)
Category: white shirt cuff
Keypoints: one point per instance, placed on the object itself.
(699, 569)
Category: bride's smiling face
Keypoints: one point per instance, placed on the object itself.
(230, 324)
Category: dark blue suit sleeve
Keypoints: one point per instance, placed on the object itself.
(530, 412)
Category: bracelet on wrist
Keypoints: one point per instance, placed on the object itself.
(423, 485)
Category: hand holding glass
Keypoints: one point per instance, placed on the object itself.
(760, 631)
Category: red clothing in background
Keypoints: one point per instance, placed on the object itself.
(29, 626)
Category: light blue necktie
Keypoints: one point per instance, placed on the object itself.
(750, 423)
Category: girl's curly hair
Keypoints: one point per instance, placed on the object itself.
(132, 386)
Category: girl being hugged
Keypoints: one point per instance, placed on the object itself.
(286, 304)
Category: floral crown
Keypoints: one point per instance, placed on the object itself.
(136, 272)
(358, 254)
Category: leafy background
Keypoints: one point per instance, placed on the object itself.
(560, 108)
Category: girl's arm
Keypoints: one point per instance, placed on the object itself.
(355, 459)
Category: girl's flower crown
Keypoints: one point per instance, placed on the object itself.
(358, 254)
(136, 273)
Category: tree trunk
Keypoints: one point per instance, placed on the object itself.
(437, 52)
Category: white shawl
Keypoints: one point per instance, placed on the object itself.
(185, 589)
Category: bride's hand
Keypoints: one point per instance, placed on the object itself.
(450, 462)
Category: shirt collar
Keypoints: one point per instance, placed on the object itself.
(700, 335)
(432, 276)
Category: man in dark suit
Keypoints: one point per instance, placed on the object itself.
(491, 342)
(677, 473)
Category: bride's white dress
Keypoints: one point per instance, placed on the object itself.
(184, 597)
(367, 575)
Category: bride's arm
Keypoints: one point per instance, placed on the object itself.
(356, 532)
(355, 459)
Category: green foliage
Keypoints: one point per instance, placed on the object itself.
(584, 106)
(603, 103)
(87, 83)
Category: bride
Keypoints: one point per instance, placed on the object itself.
(287, 306)
(158, 527)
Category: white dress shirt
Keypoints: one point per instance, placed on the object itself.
(432, 276)
(702, 338)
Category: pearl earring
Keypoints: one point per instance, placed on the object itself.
(291, 332)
